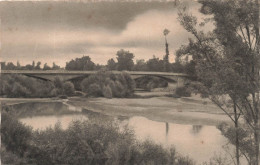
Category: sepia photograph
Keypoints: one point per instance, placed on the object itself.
(130, 82)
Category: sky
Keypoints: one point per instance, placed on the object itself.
(59, 31)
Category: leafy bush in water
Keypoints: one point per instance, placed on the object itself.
(14, 134)
(84, 142)
(95, 90)
(68, 88)
(148, 83)
(23, 86)
(107, 92)
(108, 85)
(183, 91)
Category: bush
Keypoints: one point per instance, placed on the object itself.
(19, 91)
(68, 88)
(58, 83)
(183, 91)
(84, 142)
(23, 86)
(95, 90)
(149, 82)
(107, 92)
(109, 85)
(14, 135)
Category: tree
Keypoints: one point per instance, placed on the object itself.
(28, 67)
(46, 67)
(125, 60)
(111, 64)
(166, 57)
(227, 63)
(33, 65)
(10, 66)
(18, 65)
(140, 65)
(38, 65)
(3, 65)
(155, 64)
(68, 88)
(55, 67)
(83, 63)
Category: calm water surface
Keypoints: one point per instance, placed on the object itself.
(197, 141)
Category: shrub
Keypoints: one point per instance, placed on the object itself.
(54, 92)
(107, 92)
(95, 90)
(23, 86)
(58, 82)
(68, 88)
(149, 82)
(84, 142)
(183, 91)
(14, 135)
(19, 91)
(121, 85)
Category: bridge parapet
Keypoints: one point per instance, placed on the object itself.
(69, 75)
(90, 72)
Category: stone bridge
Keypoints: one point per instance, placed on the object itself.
(49, 75)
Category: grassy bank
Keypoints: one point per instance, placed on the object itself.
(165, 109)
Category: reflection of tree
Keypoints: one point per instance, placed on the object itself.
(122, 118)
(167, 128)
(196, 129)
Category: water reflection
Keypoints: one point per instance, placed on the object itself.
(167, 128)
(42, 122)
(196, 129)
(200, 146)
(197, 141)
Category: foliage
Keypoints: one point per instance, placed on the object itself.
(155, 64)
(23, 86)
(107, 92)
(149, 82)
(14, 135)
(46, 67)
(68, 88)
(100, 84)
(83, 63)
(18, 66)
(140, 65)
(111, 64)
(227, 62)
(125, 60)
(182, 92)
(84, 142)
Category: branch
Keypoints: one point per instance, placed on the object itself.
(223, 110)
(243, 34)
(248, 36)
(241, 112)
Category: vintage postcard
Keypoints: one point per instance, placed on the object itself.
(130, 82)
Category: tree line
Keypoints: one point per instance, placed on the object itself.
(124, 61)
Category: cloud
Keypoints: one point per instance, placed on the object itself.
(60, 39)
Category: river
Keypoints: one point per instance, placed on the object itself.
(199, 142)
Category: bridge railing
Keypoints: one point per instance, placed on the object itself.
(90, 72)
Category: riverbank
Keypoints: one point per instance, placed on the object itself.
(13, 101)
(164, 109)
(191, 110)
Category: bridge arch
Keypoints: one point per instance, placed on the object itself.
(49, 75)
(169, 80)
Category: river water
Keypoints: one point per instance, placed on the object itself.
(199, 142)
